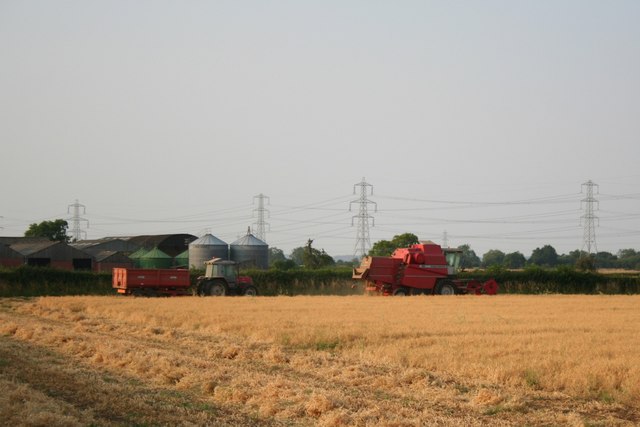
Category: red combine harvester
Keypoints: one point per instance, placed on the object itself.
(422, 268)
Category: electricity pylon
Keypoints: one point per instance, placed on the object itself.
(362, 237)
(588, 220)
(261, 212)
(76, 219)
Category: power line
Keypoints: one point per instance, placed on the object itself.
(362, 237)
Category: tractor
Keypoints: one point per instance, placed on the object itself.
(222, 277)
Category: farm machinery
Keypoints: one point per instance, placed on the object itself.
(422, 268)
(221, 278)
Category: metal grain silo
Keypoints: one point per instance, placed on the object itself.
(250, 251)
(205, 248)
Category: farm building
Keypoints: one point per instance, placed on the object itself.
(114, 244)
(106, 261)
(171, 244)
(9, 257)
(45, 253)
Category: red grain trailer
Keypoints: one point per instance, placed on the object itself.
(151, 282)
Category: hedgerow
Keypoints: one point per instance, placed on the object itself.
(27, 281)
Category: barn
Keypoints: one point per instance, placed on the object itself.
(106, 261)
(9, 257)
(46, 253)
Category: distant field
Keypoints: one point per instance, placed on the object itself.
(356, 360)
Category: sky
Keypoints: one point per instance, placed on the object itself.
(478, 119)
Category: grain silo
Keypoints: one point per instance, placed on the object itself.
(155, 258)
(181, 260)
(137, 255)
(249, 251)
(205, 248)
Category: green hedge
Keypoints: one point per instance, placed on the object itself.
(562, 280)
(27, 281)
(36, 281)
(304, 282)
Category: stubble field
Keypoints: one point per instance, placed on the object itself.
(464, 360)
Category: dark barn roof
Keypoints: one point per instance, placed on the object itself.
(49, 249)
(170, 244)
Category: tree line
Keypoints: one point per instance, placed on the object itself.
(545, 256)
(313, 258)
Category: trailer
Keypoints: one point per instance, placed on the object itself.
(151, 282)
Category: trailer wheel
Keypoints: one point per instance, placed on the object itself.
(400, 292)
(446, 287)
(216, 289)
(250, 291)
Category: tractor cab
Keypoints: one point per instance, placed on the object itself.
(221, 268)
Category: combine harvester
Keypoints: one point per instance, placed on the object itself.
(422, 268)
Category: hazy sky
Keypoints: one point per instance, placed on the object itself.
(481, 118)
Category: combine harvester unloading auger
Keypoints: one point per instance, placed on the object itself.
(422, 268)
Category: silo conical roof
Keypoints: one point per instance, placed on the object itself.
(249, 240)
(155, 253)
(208, 240)
(138, 254)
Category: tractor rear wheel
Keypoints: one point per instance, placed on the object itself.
(446, 287)
(250, 291)
(216, 289)
(400, 292)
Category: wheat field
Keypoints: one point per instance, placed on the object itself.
(461, 360)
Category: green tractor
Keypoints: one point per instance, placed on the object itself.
(222, 277)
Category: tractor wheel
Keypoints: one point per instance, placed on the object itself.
(446, 287)
(203, 289)
(216, 289)
(400, 292)
(250, 291)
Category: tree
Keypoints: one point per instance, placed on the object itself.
(382, 248)
(629, 258)
(572, 258)
(286, 264)
(53, 230)
(606, 260)
(386, 247)
(586, 262)
(493, 257)
(276, 255)
(469, 258)
(514, 260)
(297, 255)
(545, 256)
(313, 258)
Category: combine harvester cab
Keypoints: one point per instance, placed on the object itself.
(422, 268)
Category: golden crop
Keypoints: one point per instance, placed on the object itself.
(464, 360)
